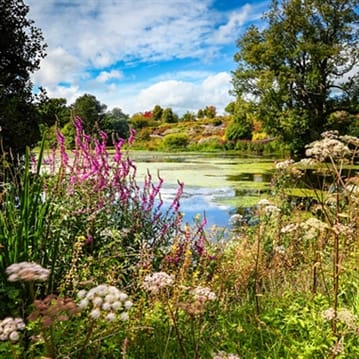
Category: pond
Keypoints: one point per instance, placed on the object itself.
(216, 185)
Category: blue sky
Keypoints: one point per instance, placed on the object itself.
(134, 54)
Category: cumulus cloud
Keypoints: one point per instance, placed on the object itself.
(183, 96)
(87, 40)
(226, 32)
(106, 76)
(58, 66)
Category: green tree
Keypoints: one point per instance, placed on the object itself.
(210, 111)
(188, 117)
(168, 116)
(139, 121)
(301, 67)
(90, 110)
(52, 110)
(241, 126)
(21, 49)
(115, 123)
(157, 113)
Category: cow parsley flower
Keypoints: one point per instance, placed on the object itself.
(104, 301)
(10, 327)
(27, 271)
(154, 282)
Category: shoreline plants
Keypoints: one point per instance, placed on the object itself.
(94, 264)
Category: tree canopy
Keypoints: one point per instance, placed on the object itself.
(300, 68)
(90, 110)
(21, 49)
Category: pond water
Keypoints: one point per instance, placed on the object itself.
(216, 185)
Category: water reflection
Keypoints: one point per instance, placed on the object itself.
(215, 184)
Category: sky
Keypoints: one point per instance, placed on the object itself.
(135, 54)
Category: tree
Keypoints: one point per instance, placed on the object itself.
(241, 126)
(210, 111)
(157, 113)
(188, 117)
(301, 67)
(115, 123)
(168, 116)
(90, 110)
(21, 49)
(52, 110)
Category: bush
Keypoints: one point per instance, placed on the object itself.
(175, 141)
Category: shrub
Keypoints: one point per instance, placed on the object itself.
(175, 141)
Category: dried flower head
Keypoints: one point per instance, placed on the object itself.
(53, 309)
(10, 327)
(154, 282)
(27, 271)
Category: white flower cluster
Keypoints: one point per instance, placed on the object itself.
(224, 355)
(327, 148)
(27, 271)
(283, 164)
(343, 315)
(154, 282)
(268, 208)
(328, 314)
(315, 223)
(236, 219)
(105, 300)
(350, 140)
(203, 294)
(289, 228)
(9, 328)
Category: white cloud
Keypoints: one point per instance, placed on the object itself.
(229, 32)
(89, 39)
(58, 66)
(184, 96)
(106, 76)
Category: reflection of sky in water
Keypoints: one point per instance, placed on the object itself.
(202, 201)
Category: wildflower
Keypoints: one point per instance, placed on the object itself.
(271, 210)
(338, 347)
(27, 271)
(327, 148)
(345, 230)
(350, 140)
(283, 164)
(347, 317)
(328, 314)
(124, 316)
(128, 304)
(263, 202)
(104, 300)
(10, 327)
(111, 317)
(156, 281)
(237, 219)
(289, 228)
(279, 250)
(315, 224)
(95, 313)
(333, 134)
(224, 355)
(52, 309)
(203, 294)
(306, 162)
